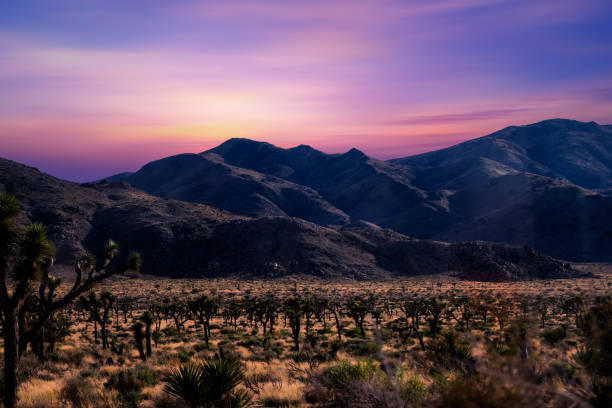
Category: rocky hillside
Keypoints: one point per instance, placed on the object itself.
(188, 239)
(545, 185)
(577, 152)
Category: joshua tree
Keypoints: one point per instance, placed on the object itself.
(483, 307)
(232, 311)
(543, 312)
(179, 313)
(502, 313)
(357, 308)
(270, 311)
(574, 306)
(147, 318)
(436, 307)
(595, 354)
(56, 329)
(139, 336)
(467, 310)
(26, 258)
(125, 305)
(294, 312)
(99, 308)
(204, 309)
(158, 312)
(335, 308)
(309, 309)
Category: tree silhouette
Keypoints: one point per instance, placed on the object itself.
(26, 258)
(204, 309)
(147, 318)
(99, 308)
(139, 337)
(293, 308)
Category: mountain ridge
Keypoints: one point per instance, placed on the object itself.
(182, 239)
(496, 187)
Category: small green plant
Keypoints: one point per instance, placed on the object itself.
(412, 388)
(184, 355)
(553, 336)
(344, 372)
(210, 384)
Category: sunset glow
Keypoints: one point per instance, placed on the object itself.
(92, 88)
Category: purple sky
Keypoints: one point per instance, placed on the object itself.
(95, 87)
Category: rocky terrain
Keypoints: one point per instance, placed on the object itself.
(181, 239)
(545, 185)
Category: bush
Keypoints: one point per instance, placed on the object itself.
(352, 333)
(251, 341)
(184, 355)
(486, 392)
(81, 392)
(345, 372)
(361, 347)
(412, 389)
(125, 382)
(211, 384)
(451, 351)
(146, 375)
(553, 336)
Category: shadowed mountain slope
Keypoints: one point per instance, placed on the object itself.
(544, 185)
(188, 239)
(195, 178)
(578, 152)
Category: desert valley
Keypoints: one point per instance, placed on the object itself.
(306, 204)
(385, 285)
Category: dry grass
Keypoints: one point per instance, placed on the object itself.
(276, 380)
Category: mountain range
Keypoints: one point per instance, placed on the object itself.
(547, 185)
(248, 208)
(184, 239)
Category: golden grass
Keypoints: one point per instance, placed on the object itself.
(38, 393)
(272, 382)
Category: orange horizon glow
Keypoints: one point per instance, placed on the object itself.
(94, 89)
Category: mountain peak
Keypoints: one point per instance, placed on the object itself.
(239, 143)
(565, 124)
(303, 148)
(355, 153)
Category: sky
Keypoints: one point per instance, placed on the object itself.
(90, 88)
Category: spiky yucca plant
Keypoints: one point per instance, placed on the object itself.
(211, 384)
(186, 383)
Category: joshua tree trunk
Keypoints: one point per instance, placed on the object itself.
(338, 327)
(104, 336)
(10, 358)
(148, 336)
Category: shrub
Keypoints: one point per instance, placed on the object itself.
(412, 389)
(186, 383)
(125, 382)
(361, 347)
(553, 336)
(484, 392)
(451, 351)
(211, 384)
(345, 372)
(564, 371)
(129, 384)
(146, 375)
(353, 332)
(184, 355)
(80, 392)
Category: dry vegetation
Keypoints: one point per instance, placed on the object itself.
(426, 341)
